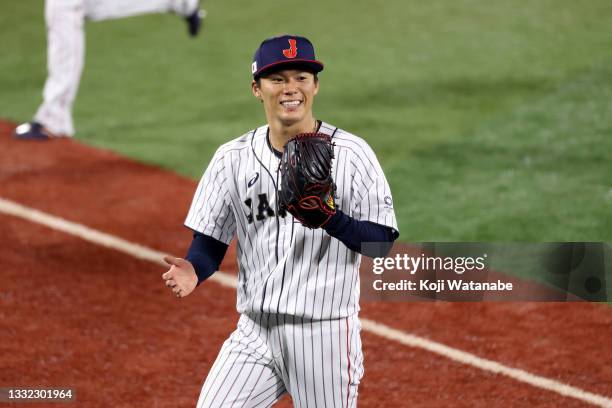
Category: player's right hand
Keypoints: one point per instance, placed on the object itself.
(181, 277)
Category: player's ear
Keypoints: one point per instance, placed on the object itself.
(256, 90)
(316, 83)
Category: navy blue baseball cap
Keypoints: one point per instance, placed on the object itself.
(285, 50)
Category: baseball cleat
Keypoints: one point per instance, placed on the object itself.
(32, 131)
(194, 21)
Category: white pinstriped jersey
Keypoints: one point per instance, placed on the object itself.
(284, 267)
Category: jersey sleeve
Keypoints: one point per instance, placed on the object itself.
(210, 212)
(372, 195)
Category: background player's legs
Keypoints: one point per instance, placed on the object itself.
(323, 362)
(243, 374)
(97, 10)
(66, 49)
(65, 57)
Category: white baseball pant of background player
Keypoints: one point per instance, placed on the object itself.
(298, 289)
(65, 21)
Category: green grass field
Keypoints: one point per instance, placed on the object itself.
(492, 120)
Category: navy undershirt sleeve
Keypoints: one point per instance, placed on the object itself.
(353, 233)
(205, 254)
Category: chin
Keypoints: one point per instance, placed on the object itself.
(289, 123)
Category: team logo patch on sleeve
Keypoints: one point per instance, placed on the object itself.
(388, 201)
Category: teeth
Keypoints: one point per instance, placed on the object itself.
(291, 103)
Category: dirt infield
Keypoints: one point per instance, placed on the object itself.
(75, 314)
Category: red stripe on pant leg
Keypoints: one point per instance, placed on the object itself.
(340, 358)
(348, 356)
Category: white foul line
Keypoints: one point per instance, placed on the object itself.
(225, 279)
(97, 237)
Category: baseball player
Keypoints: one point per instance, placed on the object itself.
(66, 53)
(298, 281)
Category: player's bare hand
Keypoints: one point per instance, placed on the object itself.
(181, 277)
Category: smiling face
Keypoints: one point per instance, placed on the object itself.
(287, 96)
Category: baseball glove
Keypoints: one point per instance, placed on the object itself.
(307, 188)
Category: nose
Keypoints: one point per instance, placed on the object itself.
(290, 90)
(290, 87)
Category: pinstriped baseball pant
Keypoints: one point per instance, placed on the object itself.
(318, 362)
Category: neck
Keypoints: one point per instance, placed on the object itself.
(281, 133)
